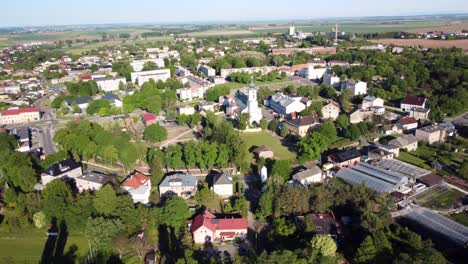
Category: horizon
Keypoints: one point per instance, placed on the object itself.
(56, 13)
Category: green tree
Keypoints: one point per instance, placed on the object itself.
(281, 168)
(105, 201)
(174, 213)
(149, 66)
(155, 133)
(366, 252)
(274, 124)
(17, 169)
(284, 130)
(263, 124)
(243, 121)
(57, 196)
(326, 90)
(100, 232)
(323, 245)
(342, 121)
(312, 145)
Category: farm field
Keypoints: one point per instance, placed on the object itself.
(411, 159)
(221, 32)
(456, 27)
(264, 138)
(426, 43)
(440, 199)
(26, 246)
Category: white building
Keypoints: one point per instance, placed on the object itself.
(20, 115)
(139, 187)
(92, 181)
(145, 76)
(186, 110)
(331, 80)
(109, 85)
(313, 73)
(308, 176)
(285, 105)
(207, 71)
(331, 109)
(370, 102)
(138, 65)
(252, 105)
(357, 88)
(222, 185)
(67, 169)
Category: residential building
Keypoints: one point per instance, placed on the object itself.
(91, 181)
(186, 110)
(207, 70)
(113, 99)
(138, 186)
(391, 129)
(410, 102)
(196, 89)
(392, 149)
(408, 124)
(313, 73)
(356, 87)
(82, 103)
(375, 153)
(145, 76)
(325, 224)
(138, 65)
(300, 126)
(370, 102)
(222, 185)
(217, 80)
(345, 158)
(313, 50)
(375, 178)
(23, 136)
(420, 113)
(263, 152)
(332, 63)
(109, 85)
(332, 80)
(308, 176)
(331, 109)
(449, 127)
(285, 105)
(407, 142)
(431, 134)
(19, 115)
(205, 227)
(264, 70)
(66, 169)
(360, 115)
(183, 185)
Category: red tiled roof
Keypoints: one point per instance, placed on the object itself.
(19, 111)
(86, 77)
(149, 117)
(408, 120)
(136, 181)
(413, 100)
(210, 221)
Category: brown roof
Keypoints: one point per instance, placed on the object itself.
(413, 100)
(303, 121)
(408, 120)
(430, 179)
(261, 149)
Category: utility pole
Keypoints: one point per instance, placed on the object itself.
(336, 34)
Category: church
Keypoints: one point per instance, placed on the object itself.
(246, 103)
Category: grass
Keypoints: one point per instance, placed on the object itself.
(461, 218)
(409, 158)
(264, 138)
(444, 201)
(26, 246)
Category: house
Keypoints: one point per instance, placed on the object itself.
(313, 73)
(392, 149)
(330, 109)
(207, 71)
(408, 124)
(407, 142)
(360, 115)
(285, 105)
(449, 127)
(113, 99)
(138, 186)
(66, 169)
(377, 153)
(325, 224)
(81, 102)
(370, 102)
(410, 102)
(183, 185)
(149, 119)
(222, 185)
(138, 65)
(356, 87)
(300, 126)
(345, 158)
(375, 178)
(391, 129)
(420, 113)
(263, 152)
(205, 227)
(19, 115)
(331, 80)
(431, 134)
(91, 181)
(109, 85)
(155, 75)
(23, 136)
(308, 176)
(186, 110)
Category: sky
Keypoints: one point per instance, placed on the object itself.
(63, 12)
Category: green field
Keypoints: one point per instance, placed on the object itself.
(264, 138)
(444, 201)
(26, 246)
(407, 157)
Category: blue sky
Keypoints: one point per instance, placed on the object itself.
(53, 12)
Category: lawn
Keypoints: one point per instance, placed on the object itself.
(444, 201)
(264, 138)
(26, 246)
(407, 157)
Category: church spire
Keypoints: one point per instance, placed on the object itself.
(252, 84)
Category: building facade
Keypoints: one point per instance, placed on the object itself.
(20, 115)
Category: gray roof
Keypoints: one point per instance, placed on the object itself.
(430, 129)
(62, 167)
(22, 133)
(403, 140)
(95, 177)
(307, 173)
(373, 177)
(111, 97)
(81, 100)
(402, 167)
(282, 99)
(183, 179)
(222, 179)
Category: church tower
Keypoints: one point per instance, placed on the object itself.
(252, 105)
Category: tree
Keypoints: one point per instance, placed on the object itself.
(243, 121)
(263, 124)
(57, 196)
(312, 145)
(105, 201)
(323, 245)
(16, 168)
(328, 129)
(281, 168)
(284, 130)
(342, 121)
(274, 124)
(366, 251)
(149, 66)
(155, 133)
(345, 100)
(175, 213)
(100, 232)
(326, 90)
